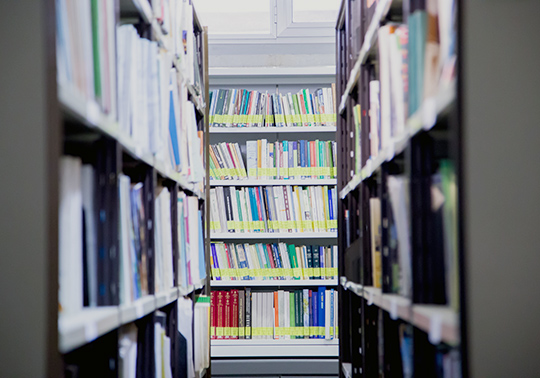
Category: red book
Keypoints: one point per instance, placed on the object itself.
(227, 253)
(312, 156)
(213, 318)
(234, 314)
(220, 330)
(227, 315)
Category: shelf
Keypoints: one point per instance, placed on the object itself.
(89, 113)
(439, 321)
(425, 118)
(254, 182)
(271, 71)
(274, 235)
(369, 40)
(166, 297)
(272, 130)
(137, 309)
(85, 326)
(275, 348)
(272, 283)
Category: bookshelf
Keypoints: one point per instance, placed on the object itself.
(132, 259)
(496, 98)
(393, 252)
(230, 356)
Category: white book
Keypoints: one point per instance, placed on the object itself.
(282, 247)
(234, 205)
(221, 207)
(313, 209)
(247, 253)
(385, 84)
(158, 246)
(88, 185)
(185, 327)
(327, 311)
(243, 210)
(374, 117)
(281, 311)
(70, 239)
(292, 208)
(264, 159)
(193, 241)
(307, 210)
(251, 156)
(286, 313)
(127, 351)
(241, 165)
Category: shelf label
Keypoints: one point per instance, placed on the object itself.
(393, 308)
(90, 331)
(435, 329)
(139, 311)
(370, 298)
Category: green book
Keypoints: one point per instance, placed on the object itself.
(292, 257)
(292, 318)
(296, 106)
(95, 48)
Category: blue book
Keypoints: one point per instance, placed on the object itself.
(315, 312)
(321, 312)
(182, 245)
(253, 202)
(321, 262)
(241, 257)
(263, 207)
(331, 206)
(279, 265)
(290, 148)
(202, 260)
(215, 263)
(302, 155)
(173, 134)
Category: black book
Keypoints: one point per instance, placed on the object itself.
(228, 207)
(241, 314)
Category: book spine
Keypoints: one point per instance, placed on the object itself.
(248, 313)
(322, 312)
(220, 329)
(305, 308)
(234, 314)
(227, 324)
(241, 314)
(213, 313)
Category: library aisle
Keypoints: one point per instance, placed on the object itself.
(269, 188)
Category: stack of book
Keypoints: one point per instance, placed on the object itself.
(281, 314)
(244, 108)
(277, 261)
(273, 209)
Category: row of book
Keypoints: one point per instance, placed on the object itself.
(273, 209)
(86, 50)
(154, 111)
(175, 18)
(416, 61)
(134, 243)
(94, 215)
(280, 314)
(265, 160)
(245, 108)
(277, 261)
(176, 341)
(432, 254)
